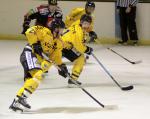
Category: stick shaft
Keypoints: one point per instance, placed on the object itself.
(120, 55)
(68, 75)
(106, 70)
(102, 105)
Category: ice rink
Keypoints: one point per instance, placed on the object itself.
(53, 100)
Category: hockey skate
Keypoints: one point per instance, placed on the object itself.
(19, 105)
(74, 83)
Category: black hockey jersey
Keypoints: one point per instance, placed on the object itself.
(42, 15)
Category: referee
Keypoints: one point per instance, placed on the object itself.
(127, 13)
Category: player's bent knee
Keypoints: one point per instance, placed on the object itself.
(32, 83)
(80, 60)
(38, 76)
(45, 65)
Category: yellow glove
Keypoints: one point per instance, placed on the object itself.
(45, 65)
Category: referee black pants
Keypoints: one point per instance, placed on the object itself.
(127, 23)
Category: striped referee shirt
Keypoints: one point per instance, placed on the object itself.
(126, 3)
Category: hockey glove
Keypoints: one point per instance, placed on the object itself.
(37, 48)
(25, 27)
(89, 50)
(45, 65)
(63, 71)
(93, 36)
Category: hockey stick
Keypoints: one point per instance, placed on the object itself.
(84, 90)
(68, 75)
(102, 105)
(136, 62)
(122, 88)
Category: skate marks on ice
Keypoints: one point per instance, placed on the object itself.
(10, 68)
(87, 85)
(71, 63)
(71, 109)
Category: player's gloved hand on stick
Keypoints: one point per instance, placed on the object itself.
(93, 36)
(25, 27)
(45, 65)
(63, 71)
(89, 50)
(37, 49)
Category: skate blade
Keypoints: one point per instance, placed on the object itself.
(16, 111)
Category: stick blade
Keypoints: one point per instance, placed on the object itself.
(110, 107)
(137, 62)
(127, 88)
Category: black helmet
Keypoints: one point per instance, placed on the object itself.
(90, 4)
(52, 2)
(86, 18)
(57, 23)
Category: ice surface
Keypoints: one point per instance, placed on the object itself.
(53, 100)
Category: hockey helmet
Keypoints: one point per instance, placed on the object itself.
(86, 18)
(52, 2)
(90, 4)
(57, 23)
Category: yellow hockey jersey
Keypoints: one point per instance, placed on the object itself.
(51, 47)
(75, 15)
(73, 38)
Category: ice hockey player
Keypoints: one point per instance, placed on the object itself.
(41, 40)
(75, 15)
(43, 14)
(75, 47)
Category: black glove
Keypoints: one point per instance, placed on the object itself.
(93, 36)
(63, 71)
(37, 48)
(25, 27)
(89, 50)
